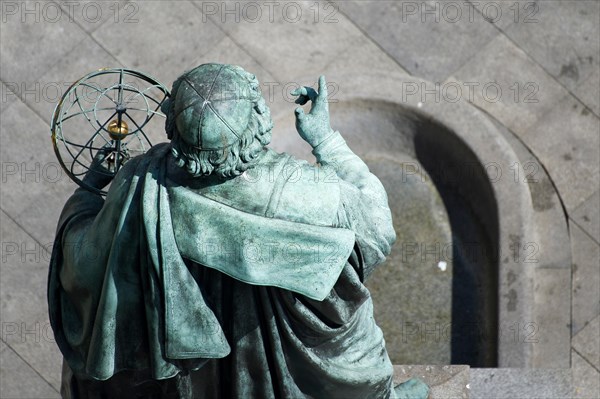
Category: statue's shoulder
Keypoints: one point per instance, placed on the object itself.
(302, 192)
(134, 170)
(278, 186)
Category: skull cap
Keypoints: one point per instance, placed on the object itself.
(213, 105)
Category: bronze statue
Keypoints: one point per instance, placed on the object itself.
(219, 268)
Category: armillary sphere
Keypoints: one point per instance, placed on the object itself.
(113, 110)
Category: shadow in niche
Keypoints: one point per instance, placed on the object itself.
(467, 193)
(388, 135)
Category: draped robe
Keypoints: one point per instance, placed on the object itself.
(252, 286)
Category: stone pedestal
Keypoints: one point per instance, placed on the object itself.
(444, 381)
(457, 381)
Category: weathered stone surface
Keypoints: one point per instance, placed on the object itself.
(550, 332)
(509, 85)
(567, 142)
(586, 379)
(545, 331)
(86, 57)
(30, 166)
(585, 299)
(565, 39)
(415, 311)
(515, 282)
(502, 14)
(7, 98)
(189, 36)
(443, 381)
(90, 15)
(366, 61)
(429, 39)
(587, 215)
(315, 32)
(589, 91)
(23, 303)
(587, 342)
(520, 383)
(19, 380)
(31, 41)
(548, 249)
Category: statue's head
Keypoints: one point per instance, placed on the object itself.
(217, 120)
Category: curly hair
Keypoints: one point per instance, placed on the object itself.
(237, 157)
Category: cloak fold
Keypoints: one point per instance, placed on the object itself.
(121, 293)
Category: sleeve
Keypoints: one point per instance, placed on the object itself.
(85, 230)
(363, 203)
(64, 277)
(82, 205)
(74, 226)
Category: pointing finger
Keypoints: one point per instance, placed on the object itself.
(322, 97)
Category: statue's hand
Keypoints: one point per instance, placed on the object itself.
(313, 127)
(99, 176)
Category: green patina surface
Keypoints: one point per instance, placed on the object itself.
(218, 268)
